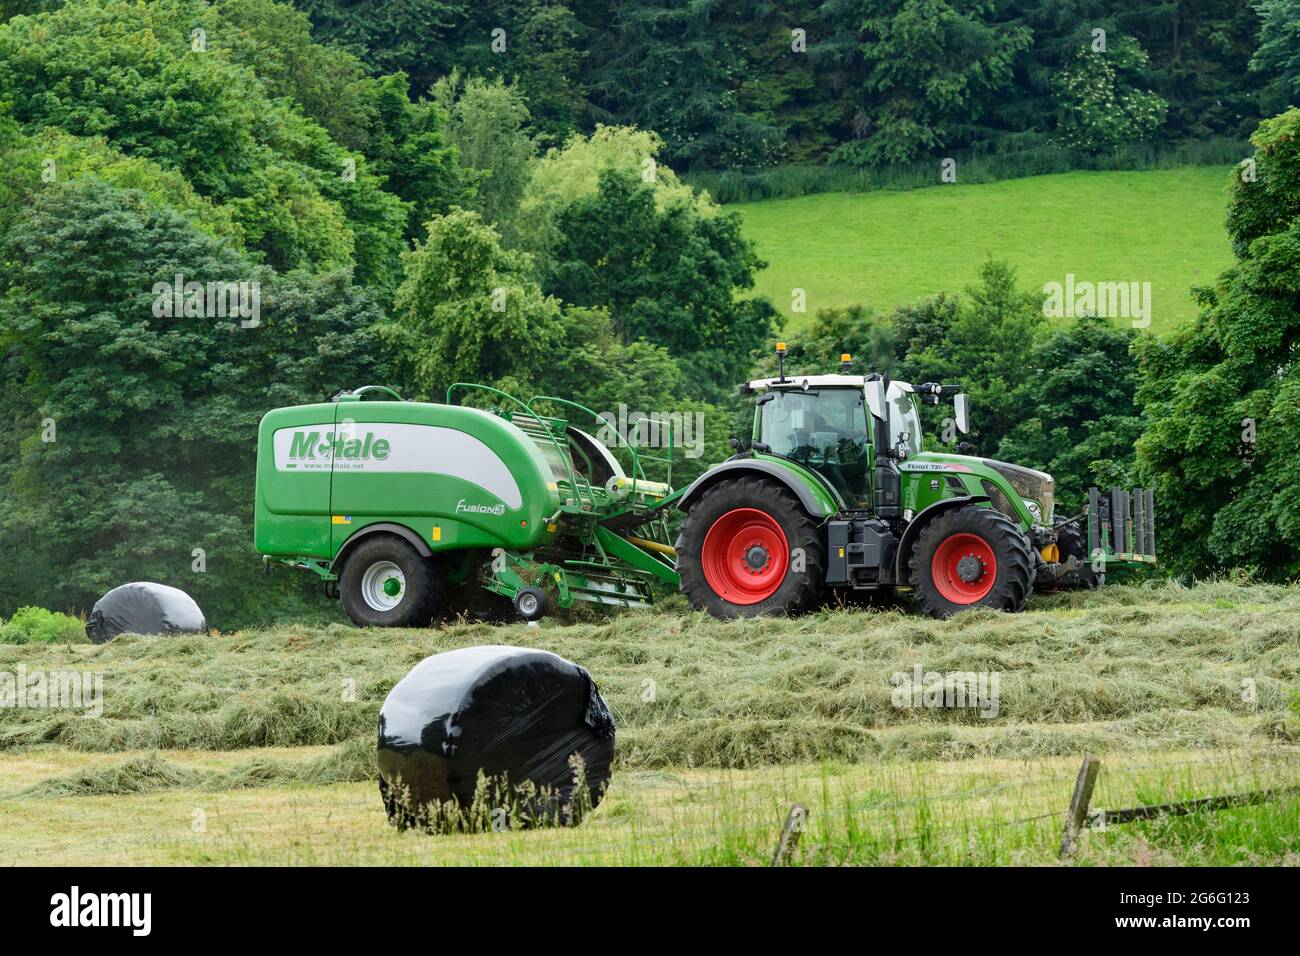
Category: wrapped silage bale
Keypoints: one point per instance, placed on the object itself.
(143, 607)
(493, 737)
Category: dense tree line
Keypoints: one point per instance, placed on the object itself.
(737, 84)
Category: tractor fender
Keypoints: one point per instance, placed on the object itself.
(914, 527)
(749, 466)
(383, 527)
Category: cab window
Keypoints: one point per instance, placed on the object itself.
(825, 429)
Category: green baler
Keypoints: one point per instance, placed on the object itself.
(395, 504)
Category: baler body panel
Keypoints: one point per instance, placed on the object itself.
(458, 477)
(292, 511)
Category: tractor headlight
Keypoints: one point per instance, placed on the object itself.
(1035, 487)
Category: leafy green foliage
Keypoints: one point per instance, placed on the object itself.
(658, 65)
(981, 342)
(929, 66)
(871, 341)
(1222, 397)
(1278, 55)
(393, 36)
(131, 440)
(36, 625)
(486, 121)
(140, 76)
(1078, 415)
(468, 310)
(1099, 99)
(666, 275)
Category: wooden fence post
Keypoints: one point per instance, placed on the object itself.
(1079, 801)
(789, 839)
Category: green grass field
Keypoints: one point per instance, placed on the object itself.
(252, 748)
(886, 248)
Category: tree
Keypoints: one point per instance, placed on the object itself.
(538, 48)
(393, 36)
(130, 443)
(869, 338)
(562, 176)
(145, 77)
(1222, 396)
(1278, 54)
(1100, 99)
(932, 67)
(660, 65)
(486, 121)
(1079, 418)
(469, 310)
(982, 342)
(667, 275)
(274, 40)
(409, 146)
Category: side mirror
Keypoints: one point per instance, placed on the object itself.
(876, 399)
(959, 407)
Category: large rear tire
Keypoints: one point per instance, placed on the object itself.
(747, 548)
(385, 583)
(971, 557)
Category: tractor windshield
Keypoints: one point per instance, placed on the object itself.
(825, 429)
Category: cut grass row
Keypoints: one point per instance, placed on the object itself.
(1142, 668)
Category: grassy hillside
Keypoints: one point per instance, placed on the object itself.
(883, 248)
(721, 726)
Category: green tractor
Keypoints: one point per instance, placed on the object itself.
(835, 493)
(412, 510)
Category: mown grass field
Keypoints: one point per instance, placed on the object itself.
(258, 747)
(887, 248)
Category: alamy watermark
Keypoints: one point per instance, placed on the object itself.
(977, 690)
(209, 300)
(53, 690)
(1108, 300)
(684, 430)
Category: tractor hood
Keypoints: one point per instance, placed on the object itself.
(1036, 489)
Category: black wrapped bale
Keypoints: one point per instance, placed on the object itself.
(488, 737)
(144, 608)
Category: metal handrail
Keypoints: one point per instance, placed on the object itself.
(564, 458)
(636, 459)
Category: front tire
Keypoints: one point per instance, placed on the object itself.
(747, 548)
(971, 557)
(385, 583)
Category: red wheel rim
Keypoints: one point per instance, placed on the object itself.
(745, 556)
(964, 568)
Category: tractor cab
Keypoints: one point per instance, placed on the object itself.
(843, 427)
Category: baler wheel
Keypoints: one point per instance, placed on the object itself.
(531, 603)
(385, 583)
(971, 557)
